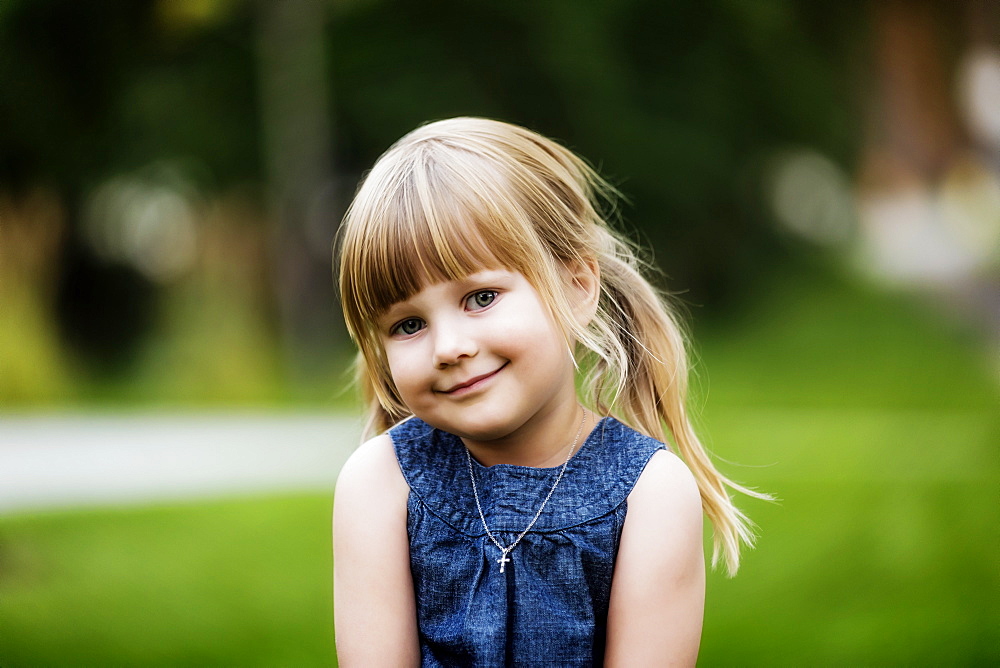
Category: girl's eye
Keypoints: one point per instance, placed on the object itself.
(408, 327)
(480, 300)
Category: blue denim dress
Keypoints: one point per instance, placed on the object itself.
(550, 605)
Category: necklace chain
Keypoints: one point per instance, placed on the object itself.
(504, 551)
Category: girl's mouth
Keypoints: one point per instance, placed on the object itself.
(473, 383)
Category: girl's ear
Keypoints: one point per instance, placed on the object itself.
(584, 289)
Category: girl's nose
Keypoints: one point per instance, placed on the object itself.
(451, 344)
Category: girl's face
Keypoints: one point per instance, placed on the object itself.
(479, 357)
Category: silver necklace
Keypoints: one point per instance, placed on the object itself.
(504, 551)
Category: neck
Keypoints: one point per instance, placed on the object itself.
(544, 443)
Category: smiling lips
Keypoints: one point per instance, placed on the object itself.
(472, 383)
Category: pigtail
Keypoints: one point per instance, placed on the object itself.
(640, 372)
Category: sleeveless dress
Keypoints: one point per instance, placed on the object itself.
(550, 605)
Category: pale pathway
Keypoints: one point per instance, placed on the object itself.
(75, 460)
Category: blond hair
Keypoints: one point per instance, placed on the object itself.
(458, 196)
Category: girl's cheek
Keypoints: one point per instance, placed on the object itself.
(400, 365)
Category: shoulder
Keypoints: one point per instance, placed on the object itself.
(371, 473)
(665, 502)
(667, 481)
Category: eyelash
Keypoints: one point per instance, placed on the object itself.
(398, 327)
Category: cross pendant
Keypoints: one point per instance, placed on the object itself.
(503, 561)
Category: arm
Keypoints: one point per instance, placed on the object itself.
(374, 609)
(658, 590)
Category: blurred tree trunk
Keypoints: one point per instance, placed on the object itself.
(298, 143)
(913, 118)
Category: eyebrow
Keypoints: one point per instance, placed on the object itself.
(390, 315)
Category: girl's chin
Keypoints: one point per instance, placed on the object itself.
(479, 432)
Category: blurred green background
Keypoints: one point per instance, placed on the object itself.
(819, 182)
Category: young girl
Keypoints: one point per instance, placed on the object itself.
(499, 514)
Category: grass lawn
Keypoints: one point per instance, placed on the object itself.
(227, 583)
(878, 553)
(876, 427)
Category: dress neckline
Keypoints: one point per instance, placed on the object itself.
(600, 425)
